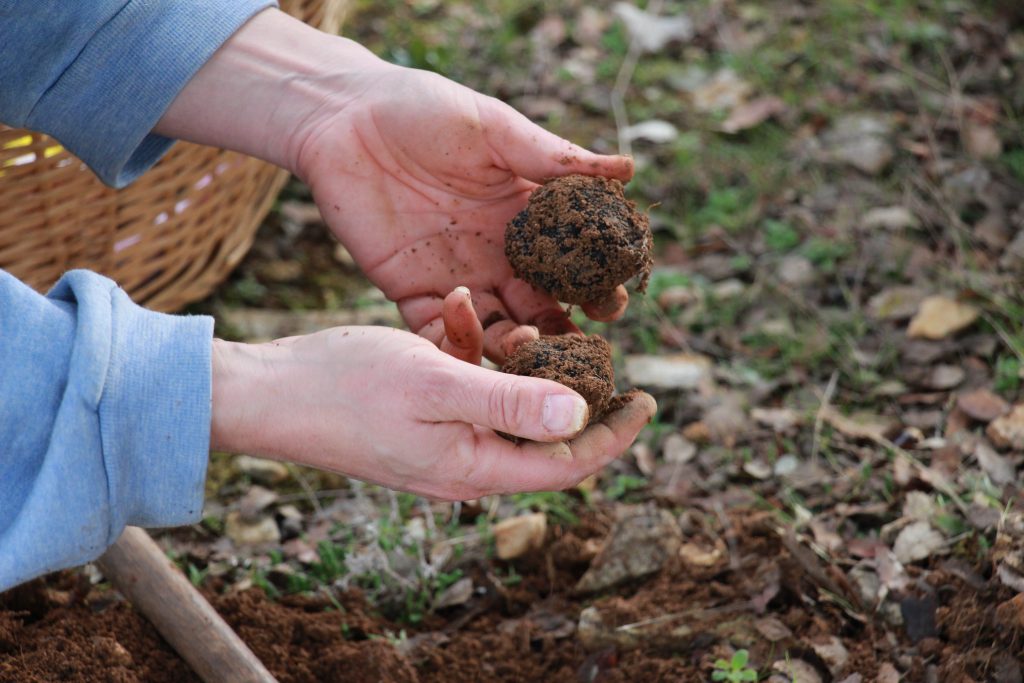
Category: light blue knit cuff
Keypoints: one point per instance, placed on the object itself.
(107, 101)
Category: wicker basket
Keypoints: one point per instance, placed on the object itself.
(168, 239)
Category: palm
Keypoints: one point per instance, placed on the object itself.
(420, 176)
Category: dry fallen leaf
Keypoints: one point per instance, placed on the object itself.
(753, 113)
(983, 405)
(916, 542)
(981, 141)
(1008, 431)
(940, 317)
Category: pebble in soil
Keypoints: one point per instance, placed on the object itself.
(579, 238)
(584, 364)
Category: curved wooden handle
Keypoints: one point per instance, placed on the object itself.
(140, 570)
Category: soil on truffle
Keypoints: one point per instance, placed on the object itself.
(584, 364)
(579, 238)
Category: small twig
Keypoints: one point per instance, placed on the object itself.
(307, 490)
(697, 612)
(1007, 339)
(622, 81)
(819, 419)
(730, 535)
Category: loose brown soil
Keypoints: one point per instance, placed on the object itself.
(757, 595)
(584, 364)
(579, 238)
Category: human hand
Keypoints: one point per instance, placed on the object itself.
(388, 407)
(419, 176)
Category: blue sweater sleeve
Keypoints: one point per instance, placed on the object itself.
(104, 421)
(98, 74)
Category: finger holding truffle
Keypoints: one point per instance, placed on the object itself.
(579, 238)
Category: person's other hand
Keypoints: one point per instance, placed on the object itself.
(389, 407)
(418, 177)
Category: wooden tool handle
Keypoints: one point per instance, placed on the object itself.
(140, 570)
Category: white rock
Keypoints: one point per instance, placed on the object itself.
(255, 532)
(679, 371)
(889, 218)
(259, 469)
(516, 536)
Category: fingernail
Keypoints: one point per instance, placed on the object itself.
(564, 414)
(462, 290)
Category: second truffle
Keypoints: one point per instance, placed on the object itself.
(584, 364)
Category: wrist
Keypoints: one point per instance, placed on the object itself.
(265, 87)
(235, 412)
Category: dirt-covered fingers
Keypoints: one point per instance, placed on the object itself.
(536, 154)
(502, 338)
(610, 308)
(528, 407)
(528, 466)
(463, 333)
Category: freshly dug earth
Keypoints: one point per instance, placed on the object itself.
(579, 238)
(755, 594)
(584, 364)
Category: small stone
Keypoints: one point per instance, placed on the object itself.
(887, 673)
(456, 594)
(981, 141)
(697, 556)
(916, 542)
(262, 530)
(796, 271)
(678, 296)
(772, 629)
(861, 141)
(727, 289)
(641, 541)
(516, 536)
(998, 468)
(919, 506)
(798, 670)
(677, 449)
(889, 218)
(785, 465)
(679, 371)
(944, 377)
(1008, 431)
(832, 652)
(264, 471)
(940, 317)
(781, 420)
(983, 405)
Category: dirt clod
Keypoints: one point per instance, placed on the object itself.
(584, 364)
(579, 238)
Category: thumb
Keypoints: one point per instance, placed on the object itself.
(527, 407)
(533, 153)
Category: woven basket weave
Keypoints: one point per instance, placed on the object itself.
(168, 239)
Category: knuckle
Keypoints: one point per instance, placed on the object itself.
(509, 406)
